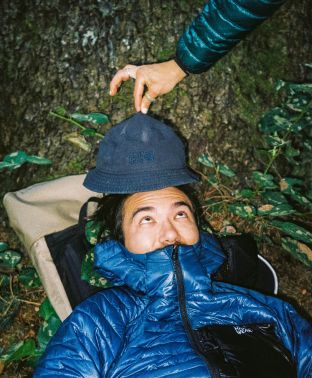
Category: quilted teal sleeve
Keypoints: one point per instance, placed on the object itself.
(218, 28)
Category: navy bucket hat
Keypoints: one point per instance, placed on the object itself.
(139, 154)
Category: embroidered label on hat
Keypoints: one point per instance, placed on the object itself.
(242, 330)
(141, 157)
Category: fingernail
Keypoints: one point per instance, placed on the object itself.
(110, 92)
(144, 110)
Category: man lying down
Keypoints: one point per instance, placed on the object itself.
(166, 316)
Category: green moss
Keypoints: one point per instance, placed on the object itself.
(124, 95)
(171, 97)
(165, 54)
(105, 103)
(211, 133)
(75, 166)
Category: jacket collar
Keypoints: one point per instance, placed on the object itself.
(153, 273)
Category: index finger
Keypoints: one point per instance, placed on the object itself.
(116, 81)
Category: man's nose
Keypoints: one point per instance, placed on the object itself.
(169, 234)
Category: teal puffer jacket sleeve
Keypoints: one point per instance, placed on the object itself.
(89, 340)
(218, 28)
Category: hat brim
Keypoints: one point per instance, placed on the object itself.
(107, 182)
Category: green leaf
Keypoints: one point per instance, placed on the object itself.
(29, 278)
(275, 210)
(294, 88)
(5, 164)
(288, 182)
(46, 310)
(298, 197)
(60, 111)
(274, 120)
(89, 275)
(3, 246)
(274, 198)
(287, 185)
(38, 160)
(98, 118)
(92, 230)
(19, 351)
(18, 158)
(299, 250)
(293, 230)
(297, 103)
(275, 140)
(279, 85)
(264, 181)
(242, 210)
(291, 152)
(78, 140)
(9, 259)
(307, 144)
(299, 88)
(4, 280)
(47, 330)
(79, 117)
(88, 132)
(222, 168)
(212, 179)
(206, 160)
(247, 193)
(95, 118)
(309, 194)
(225, 170)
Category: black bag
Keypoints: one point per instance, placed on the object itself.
(244, 265)
(68, 249)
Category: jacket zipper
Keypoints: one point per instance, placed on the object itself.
(213, 370)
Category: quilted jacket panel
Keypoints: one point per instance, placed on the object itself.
(136, 330)
(218, 28)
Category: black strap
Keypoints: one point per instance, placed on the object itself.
(83, 213)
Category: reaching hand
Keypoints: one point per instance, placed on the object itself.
(159, 78)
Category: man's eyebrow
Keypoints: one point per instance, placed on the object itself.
(144, 208)
(183, 203)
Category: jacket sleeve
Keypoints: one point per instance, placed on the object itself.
(218, 28)
(89, 339)
(298, 339)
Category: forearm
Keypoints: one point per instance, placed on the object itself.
(218, 28)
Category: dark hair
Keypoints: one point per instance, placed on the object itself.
(109, 216)
(109, 213)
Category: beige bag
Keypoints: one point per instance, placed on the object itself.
(40, 210)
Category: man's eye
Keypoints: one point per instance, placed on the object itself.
(146, 220)
(181, 214)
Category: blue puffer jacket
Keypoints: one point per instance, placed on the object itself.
(218, 28)
(138, 330)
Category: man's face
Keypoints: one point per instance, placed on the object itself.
(153, 220)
